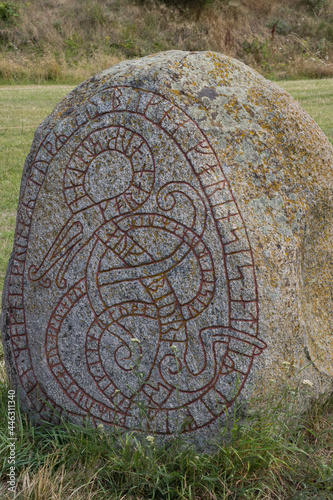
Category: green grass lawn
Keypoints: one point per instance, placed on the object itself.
(316, 97)
(265, 459)
(21, 110)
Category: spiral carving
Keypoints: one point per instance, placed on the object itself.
(151, 268)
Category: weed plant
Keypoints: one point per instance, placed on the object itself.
(8, 12)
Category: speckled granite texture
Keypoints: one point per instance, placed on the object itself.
(173, 248)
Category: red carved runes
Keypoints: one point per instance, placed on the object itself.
(132, 281)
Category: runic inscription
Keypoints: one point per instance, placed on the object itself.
(143, 274)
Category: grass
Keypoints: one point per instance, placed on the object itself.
(316, 97)
(266, 458)
(21, 111)
(69, 40)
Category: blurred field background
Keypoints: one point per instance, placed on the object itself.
(65, 41)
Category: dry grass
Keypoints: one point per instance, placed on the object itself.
(52, 483)
(47, 68)
(264, 460)
(68, 40)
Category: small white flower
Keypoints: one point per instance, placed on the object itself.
(134, 339)
(174, 348)
(286, 363)
(271, 380)
(100, 427)
(307, 382)
(150, 439)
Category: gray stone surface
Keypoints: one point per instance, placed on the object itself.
(166, 249)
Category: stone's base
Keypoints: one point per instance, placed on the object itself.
(163, 255)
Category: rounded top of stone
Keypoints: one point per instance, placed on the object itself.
(174, 70)
(222, 94)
